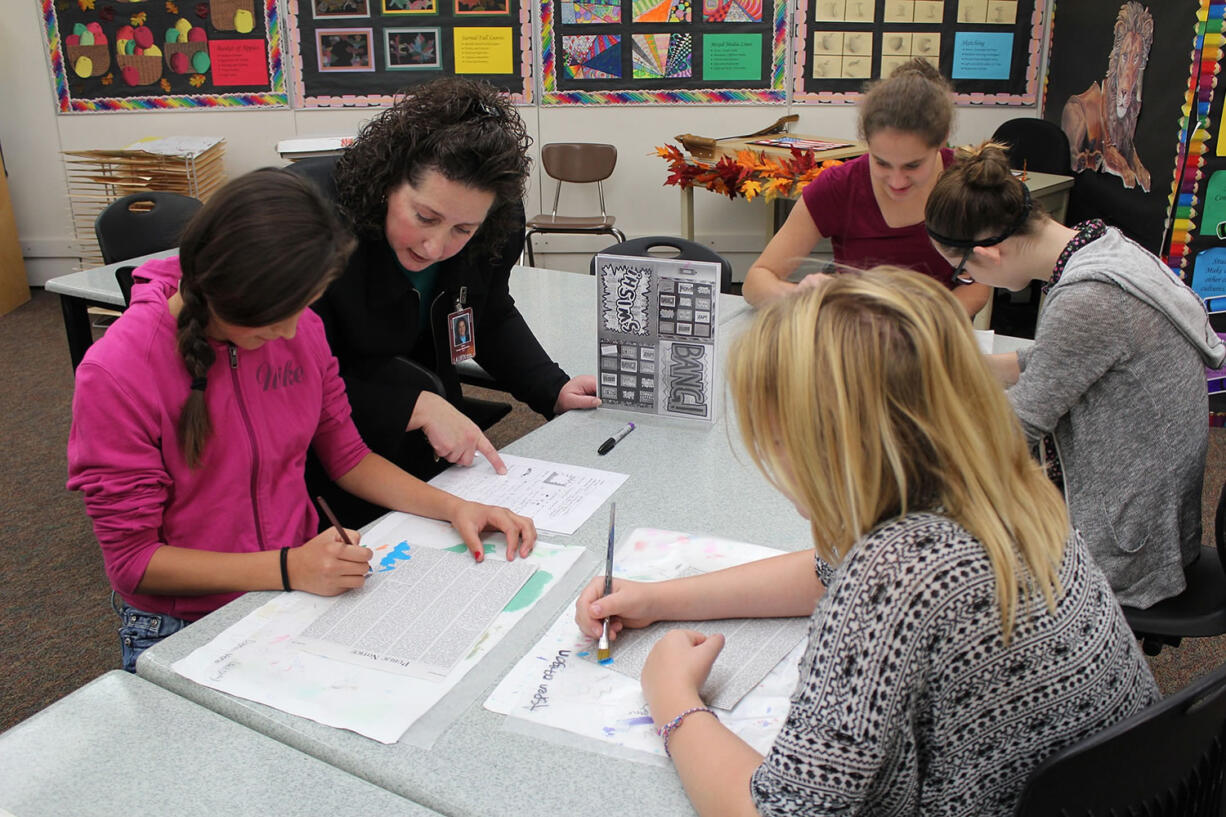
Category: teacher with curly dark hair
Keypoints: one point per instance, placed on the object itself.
(433, 188)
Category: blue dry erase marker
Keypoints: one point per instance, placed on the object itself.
(607, 445)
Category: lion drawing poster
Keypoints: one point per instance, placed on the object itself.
(1101, 122)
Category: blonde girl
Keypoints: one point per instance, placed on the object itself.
(959, 634)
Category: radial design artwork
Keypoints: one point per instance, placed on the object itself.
(732, 11)
(661, 11)
(662, 56)
(593, 56)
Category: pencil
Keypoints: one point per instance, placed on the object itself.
(323, 504)
(602, 650)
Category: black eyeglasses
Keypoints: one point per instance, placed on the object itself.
(969, 244)
(960, 271)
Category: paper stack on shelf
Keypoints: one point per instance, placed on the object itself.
(191, 165)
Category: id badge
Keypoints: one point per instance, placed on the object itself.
(460, 334)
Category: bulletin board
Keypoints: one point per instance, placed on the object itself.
(108, 55)
(988, 48)
(1196, 248)
(1143, 48)
(663, 51)
(360, 53)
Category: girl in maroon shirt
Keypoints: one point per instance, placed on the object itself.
(872, 208)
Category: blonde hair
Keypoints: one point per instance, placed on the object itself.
(868, 398)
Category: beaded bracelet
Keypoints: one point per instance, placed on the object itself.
(666, 731)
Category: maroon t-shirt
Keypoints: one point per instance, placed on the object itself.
(843, 208)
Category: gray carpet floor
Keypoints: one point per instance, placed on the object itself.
(57, 630)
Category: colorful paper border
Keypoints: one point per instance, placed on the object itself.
(777, 92)
(802, 97)
(276, 97)
(1194, 134)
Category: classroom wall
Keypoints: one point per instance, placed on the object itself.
(32, 135)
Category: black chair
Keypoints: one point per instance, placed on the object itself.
(142, 223)
(681, 248)
(123, 277)
(1166, 760)
(1200, 610)
(1035, 144)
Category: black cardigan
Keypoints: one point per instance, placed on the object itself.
(372, 315)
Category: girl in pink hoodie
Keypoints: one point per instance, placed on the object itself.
(192, 418)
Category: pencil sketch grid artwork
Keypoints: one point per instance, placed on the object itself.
(657, 335)
(625, 291)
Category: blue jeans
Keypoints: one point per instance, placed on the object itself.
(138, 630)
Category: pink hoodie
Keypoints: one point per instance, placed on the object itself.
(267, 407)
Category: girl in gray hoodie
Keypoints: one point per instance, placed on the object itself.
(1112, 393)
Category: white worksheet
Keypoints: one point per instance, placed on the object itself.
(256, 657)
(558, 497)
(421, 618)
(554, 688)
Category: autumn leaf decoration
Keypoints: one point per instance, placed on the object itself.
(171, 8)
(85, 5)
(197, 80)
(750, 174)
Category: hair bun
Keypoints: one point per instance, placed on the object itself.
(985, 166)
(920, 67)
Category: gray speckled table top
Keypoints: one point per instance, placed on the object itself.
(690, 477)
(684, 476)
(121, 745)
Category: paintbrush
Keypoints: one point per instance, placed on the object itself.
(602, 649)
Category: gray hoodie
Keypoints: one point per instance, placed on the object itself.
(1117, 373)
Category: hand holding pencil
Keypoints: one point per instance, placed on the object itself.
(330, 563)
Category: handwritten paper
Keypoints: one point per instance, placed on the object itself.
(554, 685)
(558, 497)
(256, 658)
(420, 619)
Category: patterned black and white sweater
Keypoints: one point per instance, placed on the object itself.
(909, 702)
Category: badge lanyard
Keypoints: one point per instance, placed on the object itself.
(461, 336)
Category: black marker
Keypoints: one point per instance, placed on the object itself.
(607, 445)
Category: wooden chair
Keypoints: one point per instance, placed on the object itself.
(576, 163)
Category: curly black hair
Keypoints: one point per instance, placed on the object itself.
(459, 127)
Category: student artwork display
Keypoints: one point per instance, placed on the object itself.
(1113, 71)
(114, 56)
(988, 48)
(359, 53)
(655, 326)
(663, 51)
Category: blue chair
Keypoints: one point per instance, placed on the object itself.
(681, 248)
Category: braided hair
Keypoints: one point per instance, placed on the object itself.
(259, 251)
